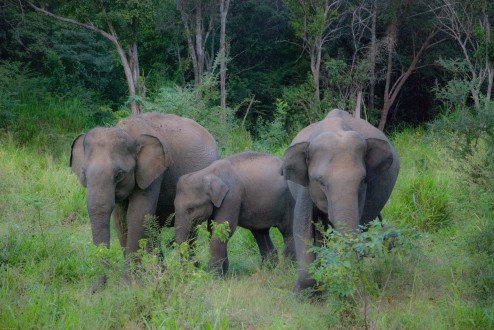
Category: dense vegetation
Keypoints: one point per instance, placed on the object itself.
(57, 81)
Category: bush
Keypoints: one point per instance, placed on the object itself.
(351, 268)
(468, 133)
(272, 135)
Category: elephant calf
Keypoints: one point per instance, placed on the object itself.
(245, 189)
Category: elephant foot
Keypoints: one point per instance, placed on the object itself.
(270, 260)
(99, 284)
(390, 240)
(125, 280)
(219, 266)
(303, 284)
(308, 290)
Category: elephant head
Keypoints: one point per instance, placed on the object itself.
(337, 168)
(197, 195)
(111, 165)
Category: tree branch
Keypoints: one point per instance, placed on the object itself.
(88, 26)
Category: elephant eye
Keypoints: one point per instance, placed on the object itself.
(320, 181)
(120, 175)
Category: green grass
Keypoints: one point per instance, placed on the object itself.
(440, 277)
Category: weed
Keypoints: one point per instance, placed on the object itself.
(221, 231)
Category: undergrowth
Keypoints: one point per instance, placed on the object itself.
(440, 274)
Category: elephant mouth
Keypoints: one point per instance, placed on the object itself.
(321, 217)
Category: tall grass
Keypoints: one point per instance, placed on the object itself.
(440, 276)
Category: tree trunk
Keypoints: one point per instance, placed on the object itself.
(199, 44)
(392, 31)
(373, 60)
(315, 66)
(129, 68)
(224, 4)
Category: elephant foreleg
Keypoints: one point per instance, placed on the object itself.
(228, 213)
(219, 256)
(142, 203)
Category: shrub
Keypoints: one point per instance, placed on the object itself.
(272, 134)
(346, 266)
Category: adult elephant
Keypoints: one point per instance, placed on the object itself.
(245, 189)
(132, 169)
(342, 171)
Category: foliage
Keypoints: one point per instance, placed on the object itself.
(48, 263)
(46, 123)
(272, 135)
(52, 89)
(198, 104)
(221, 231)
(341, 266)
(425, 204)
(469, 132)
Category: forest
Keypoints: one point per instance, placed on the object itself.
(253, 73)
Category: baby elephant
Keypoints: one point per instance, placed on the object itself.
(245, 189)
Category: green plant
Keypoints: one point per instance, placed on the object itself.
(425, 203)
(221, 231)
(346, 264)
(273, 134)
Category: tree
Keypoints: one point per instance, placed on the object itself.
(315, 22)
(468, 24)
(393, 88)
(198, 22)
(120, 22)
(224, 4)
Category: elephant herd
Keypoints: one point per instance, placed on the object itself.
(339, 171)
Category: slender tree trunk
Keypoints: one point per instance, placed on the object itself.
(199, 44)
(224, 4)
(188, 36)
(373, 59)
(129, 70)
(488, 64)
(315, 66)
(392, 31)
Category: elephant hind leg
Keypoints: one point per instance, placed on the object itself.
(288, 247)
(266, 247)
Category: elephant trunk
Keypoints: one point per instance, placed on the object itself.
(183, 227)
(345, 215)
(100, 205)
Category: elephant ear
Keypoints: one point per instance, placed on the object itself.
(379, 156)
(152, 160)
(215, 188)
(295, 163)
(77, 159)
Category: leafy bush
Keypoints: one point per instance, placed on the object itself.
(272, 135)
(346, 265)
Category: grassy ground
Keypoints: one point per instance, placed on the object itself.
(440, 277)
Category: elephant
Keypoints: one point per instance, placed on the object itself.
(246, 189)
(131, 170)
(341, 172)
